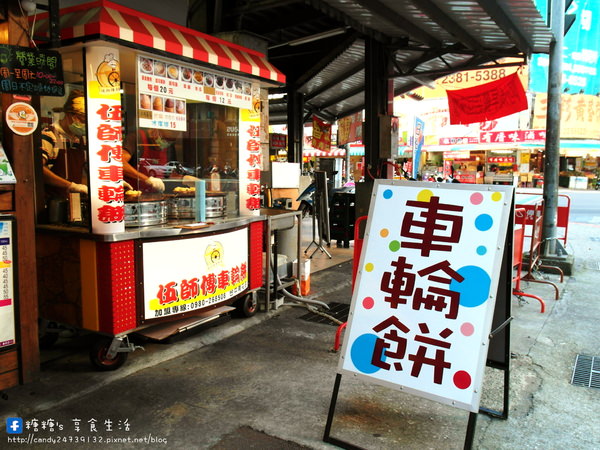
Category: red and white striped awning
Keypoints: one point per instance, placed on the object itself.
(105, 19)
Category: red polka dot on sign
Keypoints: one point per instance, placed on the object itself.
(462, 379)
(368, 302)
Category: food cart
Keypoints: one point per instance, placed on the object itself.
(143, 256)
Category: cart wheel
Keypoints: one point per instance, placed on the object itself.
(98, 356)
(247, 306)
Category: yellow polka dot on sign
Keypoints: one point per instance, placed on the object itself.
(425, 195)
(384, 232)
(369, 267)
(497, 196)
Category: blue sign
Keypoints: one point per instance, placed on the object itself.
(14, 425)
(418, 139)
(581, 48)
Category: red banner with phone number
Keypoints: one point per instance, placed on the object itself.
(487, 101)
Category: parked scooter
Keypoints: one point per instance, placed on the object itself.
(306, 199)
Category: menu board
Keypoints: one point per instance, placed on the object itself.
(7, 301)
(164, 88)
(30, 71)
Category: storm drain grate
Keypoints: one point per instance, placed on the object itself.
(337, 310)
(586, 372)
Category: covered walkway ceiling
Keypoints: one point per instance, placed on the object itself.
(320, 44)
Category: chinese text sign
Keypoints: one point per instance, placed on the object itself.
(424, 300)
(213, 270)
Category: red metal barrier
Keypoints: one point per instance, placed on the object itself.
(563, 212)
(518, 238)
(534, 216)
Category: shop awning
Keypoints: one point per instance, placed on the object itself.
(104, 19)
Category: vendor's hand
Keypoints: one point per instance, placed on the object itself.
(156, 184)
(127, 186)
(81, 188)
(189, 180)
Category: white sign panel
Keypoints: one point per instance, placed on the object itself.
(189, 274)
(423, 304)
(7, 301)
(164, 87)
(105, 140)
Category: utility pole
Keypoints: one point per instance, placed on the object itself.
(551, 246)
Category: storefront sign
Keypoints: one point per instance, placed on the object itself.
(579, 115)
(21, 118)
(424, 298)
(458, 140)
(165, 86)
(30, 71)
(512, 137)
(188, 274)
(7, 301)
(501, 160)
(277, 140)
(250, 161)
(457, 154)
(579, 52)
(105, 140)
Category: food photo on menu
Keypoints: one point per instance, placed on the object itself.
(159, 68)
(173, 71)
(180, 106)
(186, 74)
(146, 65)
(157, 104)
(145, 101)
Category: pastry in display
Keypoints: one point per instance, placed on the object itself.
(132, 195)
(184, 191)
(169, 105)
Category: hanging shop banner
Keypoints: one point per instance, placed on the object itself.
(321, 135)
(213, 269)
(424, 298)
(349, 129)
(21, 118)
(579, 115)
(418, 139)
(105, 140)
(7, 301)
(164, 87)
(250, 161)
(487, 101)
(30, 71)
